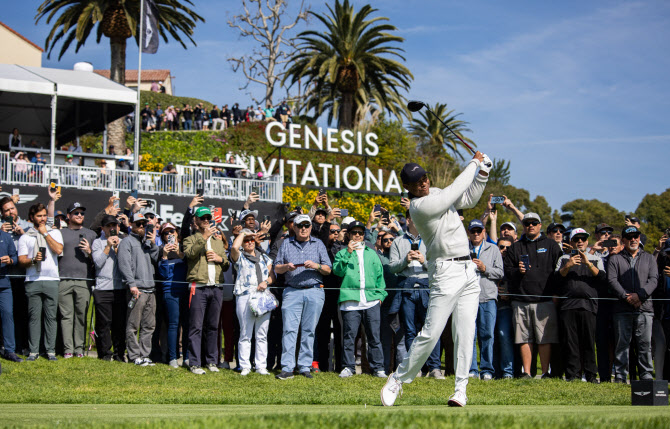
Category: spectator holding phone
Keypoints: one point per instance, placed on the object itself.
(172, 270)
(109, 293)
(76, 265)
(253, 275)
(8, 259)
(529, 266)
(38, 251)
(581, 276)
(207, 261)
(603, 233)
(136, 256)
(503, 352)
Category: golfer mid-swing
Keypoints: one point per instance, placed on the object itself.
(454, 283)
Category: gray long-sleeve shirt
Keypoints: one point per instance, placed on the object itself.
(134, 260)
(626, 274)
(490, 256)
(107, 275)
(436, 218)
(398, 259)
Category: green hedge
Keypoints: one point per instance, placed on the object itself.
(166, 100)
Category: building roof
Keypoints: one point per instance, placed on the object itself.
(147, 75)
(17, 33)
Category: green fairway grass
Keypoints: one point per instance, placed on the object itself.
(91, 393)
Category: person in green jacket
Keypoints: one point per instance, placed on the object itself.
(361, 294)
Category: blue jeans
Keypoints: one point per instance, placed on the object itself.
(413, 309)
(486, 322)
(300, 308)
(391, 338)
(627, 326)
(7, 314)
(503, 350)
(187, 124)
(176, 304)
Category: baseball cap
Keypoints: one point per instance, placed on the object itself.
(356, 224)
(347, 221)
(321, 210)
(531, 216)
(68, 156)
(59, 213)
(630, 230)
(412, 173)
(166, 226)
(633, 218)
(203, 211)
(145, 211)
(246, 213)
(475, 223)
(578, 231)
(602, 227)
(137, 217)
(510, 224)
(74, 206)
(291, 216)
(302, 218)
(108, 220)
(556, 225)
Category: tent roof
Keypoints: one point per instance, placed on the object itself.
(83, 100)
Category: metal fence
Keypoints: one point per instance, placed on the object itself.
(188, 183)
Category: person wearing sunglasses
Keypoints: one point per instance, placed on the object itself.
(304, 261)
(581, 275)
(603, 232)
(453, 280)
(207, 262)
(535, 318)
(556, 231)
(137, 255)
(503, 350)
(489, 264)
(361, 294)
(632, 275)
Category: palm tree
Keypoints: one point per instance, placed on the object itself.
(435, 138)
(351, 64)
(117, 20)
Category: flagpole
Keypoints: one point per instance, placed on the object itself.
(138, 118)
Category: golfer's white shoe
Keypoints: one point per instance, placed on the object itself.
(391, 390)
(458, 399)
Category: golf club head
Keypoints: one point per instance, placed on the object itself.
(415, 105)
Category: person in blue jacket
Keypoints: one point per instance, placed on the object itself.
(8, 258)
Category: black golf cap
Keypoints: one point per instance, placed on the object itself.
(603, 227)
(108, 220)
(74, 206)
(412, 173)
(556, 225)
(356, 224)
(630, 230)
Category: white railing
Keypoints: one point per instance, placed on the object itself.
(188, 183)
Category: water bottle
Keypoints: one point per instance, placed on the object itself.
(132, 303)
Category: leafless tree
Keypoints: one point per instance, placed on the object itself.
(265, 64)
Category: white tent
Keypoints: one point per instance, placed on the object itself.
(55, 104)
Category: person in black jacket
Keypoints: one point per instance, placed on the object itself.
(581, 275)
(535, 318)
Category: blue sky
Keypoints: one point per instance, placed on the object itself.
(574, 93)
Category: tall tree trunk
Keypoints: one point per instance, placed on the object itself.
(116, 131)
(346, 116)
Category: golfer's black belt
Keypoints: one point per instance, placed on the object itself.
(460, 258)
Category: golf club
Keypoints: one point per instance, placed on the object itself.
(415, 106)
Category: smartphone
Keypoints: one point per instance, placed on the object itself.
(81, 237)
(57, 222)
(256, 190)
(526, 261)
(344, 212)
(171, 239)
(133, 193)
(212, 223)
(404, 194)
(43, 251)
(386, 216)
(113, 232)
(15, 191)
(322, 192)
(149, 204)
(149, 228)
(52, 184)
(574, 252)
(266, 218)
(497, 200)
(200, 192)
(473, 255)
(377, 208)
(415, 246)
(116, 202)
(610, 243)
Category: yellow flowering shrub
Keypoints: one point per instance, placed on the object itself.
(146, 164)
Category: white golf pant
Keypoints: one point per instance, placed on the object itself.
(251, 325)
(454, 288)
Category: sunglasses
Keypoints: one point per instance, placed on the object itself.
(150, 216)
(605, 233)
(532, 223)
(249, 240)
(503, 247)
(555, 230)
(304, 226)
(205, 217)
(140, 224)
(357, 232)
(335, 231)
(578, 239)
(386, 240)
(476, 231)
(632, 237)
(77, 214)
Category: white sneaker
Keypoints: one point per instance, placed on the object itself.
(436, 374)
(262, 371)
(148, 362)
(380, 374)
(197, 370)
(212, 368)
(346, 373)
(139, 361)
(245, 372)
(487, 377)
(173, 363)
(391, 390)
(458, 399)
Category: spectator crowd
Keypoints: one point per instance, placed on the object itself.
(299, 292)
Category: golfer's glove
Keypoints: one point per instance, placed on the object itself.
(486, 164)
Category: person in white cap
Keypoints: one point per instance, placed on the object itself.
(581, 275)
(454, 283)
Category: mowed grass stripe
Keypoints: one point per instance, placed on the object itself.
(337, 416)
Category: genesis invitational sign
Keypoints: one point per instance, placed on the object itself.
(338, 176)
